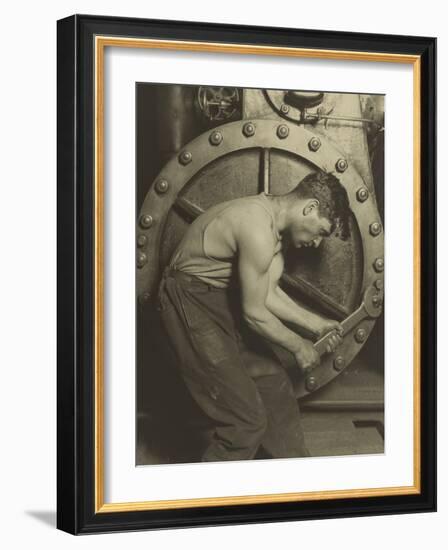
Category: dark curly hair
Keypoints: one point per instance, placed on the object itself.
(333, 199)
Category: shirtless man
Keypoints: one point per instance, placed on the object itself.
(221, 304)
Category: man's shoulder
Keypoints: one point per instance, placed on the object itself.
(254, 226)
(250, 209)
(248, 220)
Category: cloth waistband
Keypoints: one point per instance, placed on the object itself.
(171, 271)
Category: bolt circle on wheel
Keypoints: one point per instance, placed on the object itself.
(362, 194)
(339, 363)
(141, 259)
(379, 284)
(341, 165)
(248, 129)
(378, 265)
(185, 157)
(283, 131)
(162, 186)
(146, 220)
(145, 297)
(375, 229)
(215, 138)
(188, 185)
(311, 383)
(314, 144)
(360, 335)
(142, 240)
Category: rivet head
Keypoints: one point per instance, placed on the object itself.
(185, 157)
(145, 297)
(311, 383)
(362, 194)
(248, 129)
(339, 363)
(282, 131)
(378, 265)
(375, 228)
(376, 301)
(146, 220)
(341, 165)
(214, 392)
(360, 335)
(142, 240)
(314, 144)
(284, 108)
(379, 284)
(141, 259)
(215, 138)
(162, 186)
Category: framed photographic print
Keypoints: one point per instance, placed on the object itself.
(246, 274)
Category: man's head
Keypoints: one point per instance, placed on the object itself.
(318, 206)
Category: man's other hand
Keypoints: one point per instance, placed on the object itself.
(306, 356)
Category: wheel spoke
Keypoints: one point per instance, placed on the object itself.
(187, 208)
(295, 284)
(265, 171)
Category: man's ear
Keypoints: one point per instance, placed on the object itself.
(311, 205)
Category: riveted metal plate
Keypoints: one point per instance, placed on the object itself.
(264, 136)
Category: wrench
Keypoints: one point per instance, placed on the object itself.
(370, 308)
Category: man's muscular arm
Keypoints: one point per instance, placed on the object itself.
(255, 253)
(283, 307)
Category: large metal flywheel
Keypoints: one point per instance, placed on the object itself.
(340, 280)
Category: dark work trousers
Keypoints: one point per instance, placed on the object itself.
(231, 372)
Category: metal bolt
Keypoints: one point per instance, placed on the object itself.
(248, 129)
(214, 392)
(378, 265)
(360, 335)
(314, 144)
(339, 363)
(142, 240)
(362, 194)
(375, 228)
(146, 220)
(145, 297)
(284, 108)
(162, 186)
(341, 165)
(141, 259)
(311, 383)
(376, 301)
(215, 138)
(379, 284)
(185, 157)
(282, 131)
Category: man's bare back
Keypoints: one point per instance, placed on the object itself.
(211, 245)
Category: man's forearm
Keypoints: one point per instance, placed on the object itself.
(267, 325)
(283, 307)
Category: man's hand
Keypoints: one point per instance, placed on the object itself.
(327, 325)
(306, 356)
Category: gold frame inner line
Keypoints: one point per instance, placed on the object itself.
(101, 42)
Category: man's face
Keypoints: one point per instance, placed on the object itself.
(307, 228)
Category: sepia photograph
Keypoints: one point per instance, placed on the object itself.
(259, 273)
(246, 274)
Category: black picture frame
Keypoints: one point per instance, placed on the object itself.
(76, 509)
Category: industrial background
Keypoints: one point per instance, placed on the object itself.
(200, 145)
